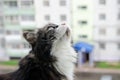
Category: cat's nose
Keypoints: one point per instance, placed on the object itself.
(63, 24)
(56, 26)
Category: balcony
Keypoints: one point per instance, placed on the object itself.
(17, 52)
(12, 38)
(9, 11)
(3, 55)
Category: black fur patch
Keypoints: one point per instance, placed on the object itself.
(38, 64)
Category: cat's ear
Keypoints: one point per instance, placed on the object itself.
(25, 34)
(29, 36)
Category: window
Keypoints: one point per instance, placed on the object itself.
(82, 7)
(8, 32)
(103, 2)
(29, 30)
(82, 22)
(1, 21)
(62, 2)
(102, 17)
(119, 46)
(102, 31)
(10, 3)
(102, 45)
(47, 17)
(1, 18)
(63, 17)
(83, 36)
(1, 31)
(46, 3)
(119, 16)
(2, 43)
(118, 31)
(1, 24)
(16, 45)
(15, 32)
(13, 19)
(118, 1)
(0, 2)
(27, 3)
(28, 17)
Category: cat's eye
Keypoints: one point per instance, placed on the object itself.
(52, 27)
(55, 26)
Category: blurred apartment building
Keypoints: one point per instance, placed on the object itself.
(107, 30)
(98, 22)
(52, 11)
(82, 20)
(15, 17)
(93, 21)
(19, 15)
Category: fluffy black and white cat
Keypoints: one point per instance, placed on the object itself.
(62, 50)
(51, 56)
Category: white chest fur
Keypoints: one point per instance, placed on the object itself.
(66, 57)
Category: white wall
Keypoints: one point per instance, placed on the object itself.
(111, 53)
(111, 10)
(54, 10)
(111, 33)
(111, 25)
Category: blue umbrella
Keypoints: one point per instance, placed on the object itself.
(80, 45)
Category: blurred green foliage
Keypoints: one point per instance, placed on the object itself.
(109, 65)
(10, 63)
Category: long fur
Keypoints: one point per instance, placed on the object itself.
(65, 54)
(51, 56)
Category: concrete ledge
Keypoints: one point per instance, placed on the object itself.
(97, 70)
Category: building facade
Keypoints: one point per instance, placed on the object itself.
(15, 17)
(82, 20)
(107, 30)
(19, 15)
(53, 11)
(98, 22)
(93, 21)
(2, 41)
